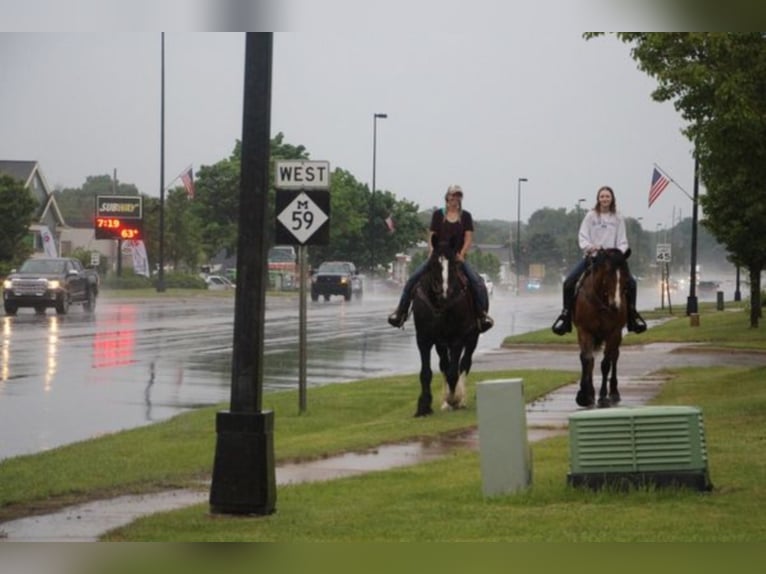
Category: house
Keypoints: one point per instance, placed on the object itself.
(47, 214)
(65, 238)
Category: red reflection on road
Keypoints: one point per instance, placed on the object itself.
(115, 340)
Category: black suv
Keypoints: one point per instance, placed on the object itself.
(336, 278)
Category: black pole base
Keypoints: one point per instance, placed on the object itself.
(691, 305)
(244, 477)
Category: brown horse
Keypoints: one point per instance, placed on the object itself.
(444, 318)
(600, 313)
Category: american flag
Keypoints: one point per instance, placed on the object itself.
(187, 177)
(659, 183)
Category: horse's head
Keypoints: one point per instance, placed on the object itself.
(442, 266)
(609, 272)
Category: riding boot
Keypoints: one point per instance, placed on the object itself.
(563, 323)
(485, 322)
(636, 323)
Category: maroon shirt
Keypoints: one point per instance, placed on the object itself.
(445, 230)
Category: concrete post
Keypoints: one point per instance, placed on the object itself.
(506, 459)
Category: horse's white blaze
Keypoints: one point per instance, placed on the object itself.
(445, 274)
(617, 291)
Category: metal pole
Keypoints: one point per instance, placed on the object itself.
(161, 272)
(691, 302)
(518, 231)
(302, 331)
(372, 197)
(244, 476)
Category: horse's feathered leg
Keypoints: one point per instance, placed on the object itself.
(425, 398)
(587, 394)
(606, 367)
(451, 376)
(614, 394)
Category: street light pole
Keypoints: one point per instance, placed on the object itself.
(372, 196)
(518, 230)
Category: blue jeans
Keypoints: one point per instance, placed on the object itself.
(475, 282)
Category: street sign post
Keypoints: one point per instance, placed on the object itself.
(663, 253)
(302, 210)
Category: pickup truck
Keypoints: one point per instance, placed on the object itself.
(336, 278)
(50, 282)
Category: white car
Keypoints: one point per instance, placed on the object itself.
(218, 283)
(488, 283)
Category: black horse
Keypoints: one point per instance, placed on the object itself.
(445, 317)
(600, 313)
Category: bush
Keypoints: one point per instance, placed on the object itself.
(128, 280)
(181, 281)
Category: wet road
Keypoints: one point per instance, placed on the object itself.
(134, 362)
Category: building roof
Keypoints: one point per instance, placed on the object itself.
(30, 174)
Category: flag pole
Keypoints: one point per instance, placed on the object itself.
(675, 182)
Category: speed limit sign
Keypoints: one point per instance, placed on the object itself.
(663, 253)
(303, 217)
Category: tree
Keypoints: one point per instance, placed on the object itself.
(718, 83)
(17, 207)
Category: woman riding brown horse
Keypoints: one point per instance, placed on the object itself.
(600, 313)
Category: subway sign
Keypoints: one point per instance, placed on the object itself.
(119, 217)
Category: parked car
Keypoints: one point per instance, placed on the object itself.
(218, 283)
(488, 282)
(534, 284)
(336, 278)
(50, 282)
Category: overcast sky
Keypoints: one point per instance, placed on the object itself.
(478, 109)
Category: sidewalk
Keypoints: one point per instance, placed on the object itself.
(545, 417)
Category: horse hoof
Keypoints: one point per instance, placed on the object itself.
(424, 413)
(614, 398)
(604, 403)
(583, 399)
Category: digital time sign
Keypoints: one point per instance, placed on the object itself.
(116, 228)
(119, 217)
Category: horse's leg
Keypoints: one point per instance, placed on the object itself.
(614, 394)
(425, 398)
(466, 361)
(587, 394)
(606, 366)
(451, 375)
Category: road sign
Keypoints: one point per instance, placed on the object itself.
(303, 217)
(301, 174)
(663, 253)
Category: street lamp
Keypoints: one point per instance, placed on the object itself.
(372, 197)
(518, 230)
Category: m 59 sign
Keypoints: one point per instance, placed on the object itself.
(302, 202)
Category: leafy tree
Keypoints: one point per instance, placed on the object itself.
(17, 207)
(718, 83)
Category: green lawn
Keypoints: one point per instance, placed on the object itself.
(442, 500)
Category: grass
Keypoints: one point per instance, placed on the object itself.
(179, 452)
(442, 500)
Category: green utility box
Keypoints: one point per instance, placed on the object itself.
(663, 445)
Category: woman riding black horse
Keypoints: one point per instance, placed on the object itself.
(602, 228)
(451, 221)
